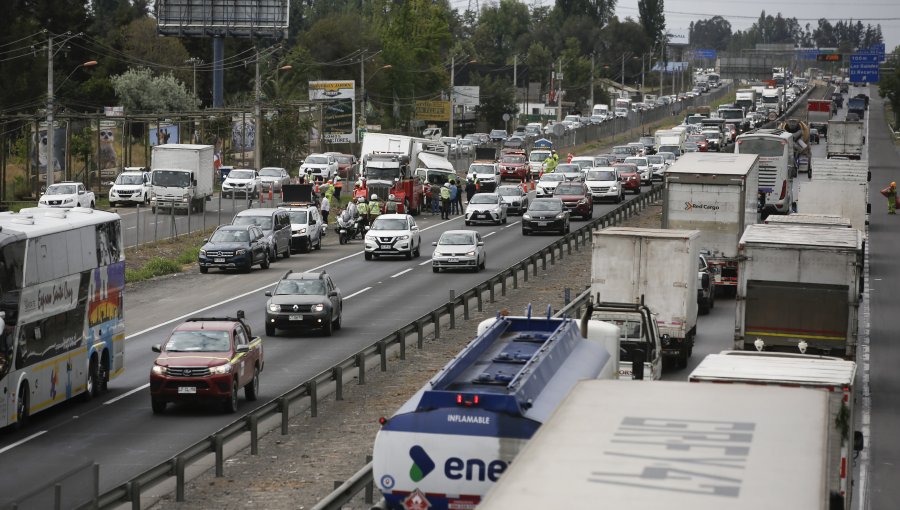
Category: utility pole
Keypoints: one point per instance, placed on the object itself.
(559, 92)
(662, 67)
(257, 118)
(642, 76)
(515, 82)
(362, 86)
(50, 131)
(592, 81)
(623, 72)
(194, 61)
(452, 70)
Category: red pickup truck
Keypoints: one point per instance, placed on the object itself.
(207, 359)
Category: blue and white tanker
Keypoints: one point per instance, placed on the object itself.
(447, 445)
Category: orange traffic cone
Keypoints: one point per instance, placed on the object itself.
(270, 194)
(262, 198)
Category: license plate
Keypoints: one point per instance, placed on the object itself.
(542, 223)
(385, 247)
(187, 389)
(295, 318)
(219, 261)
(453, 261)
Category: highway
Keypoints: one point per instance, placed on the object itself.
(119, 431)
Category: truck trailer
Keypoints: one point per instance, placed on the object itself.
(799, 289)
(677, 446)
(838, 187)
(845, 139)
(717, 195)
(654, 267)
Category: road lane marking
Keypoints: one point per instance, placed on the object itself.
(130, 228)
(402, 272)
(126, 394)
(17, 443)
(426, 262)
(356, 293)
(489, 234)
(511, 224)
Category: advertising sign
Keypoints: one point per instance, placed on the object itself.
(437, 111)
(39, 150)
(243, 133)
(339, 112)
(108, 148)
(468, 96)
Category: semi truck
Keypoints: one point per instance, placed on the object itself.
(819, 112)
(836, 377)
(717, 195)
(388, 164)
(838, 187)
(773, 98)
(845, 139)
(446, 446)
(746, 99)
(181, 177)
(654, 267)
(799, 289)
(674, 445)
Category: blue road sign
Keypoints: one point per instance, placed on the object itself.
(705, 54)
(864, 72)
(865, 59)
(808, 53)
(877, 49)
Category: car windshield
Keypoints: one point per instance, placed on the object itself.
(622, 150)
(230, 236)
(130, 179)
(569, 189)
(316, 160)
(512, 159)
(481, 169)
(498, 132)
(61, 189)
(199, 341)
(465, 141)
(270, 172)
(264, 222)
(240, 174)
(568, 168)
(601, 175)
(670, 148)
(545, 205)
(300, 288)
(637, 161)
(299, 217)
(648, 140)
(509, 191)
(690, 146)
(655, 160)
(584, 163)
(171, 178)
(484, 198)
(389, 224)
(712, 134)
(627, 168)
(538, 156)
(448, 139)
(668, 156)
(553, 177)
(457, 238)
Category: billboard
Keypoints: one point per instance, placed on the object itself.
(39, 150)
(163, 132)
(339, 110)
(108, 148)
(243, 133)
(235, 18)
(468, 96)
(437, 111)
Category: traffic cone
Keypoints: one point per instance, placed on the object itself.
(271, 194)
(262, 198)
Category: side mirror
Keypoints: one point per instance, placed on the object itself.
(268, 293)
(480, 243)
(858, 441)
(156, 348)
(433, 243)
(332, 293)
(206, 240)
(243, 348)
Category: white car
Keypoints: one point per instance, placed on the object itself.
(241, 181)
(571, 171)
(393, 234)
(584, 162)
(458, 249)
(657, 166)
(604, 184)
(130, 188)
(273, 177)
(643, 167)
(488, 174)
(548, 183)
(486, 207)
(321, 167)
(67, 194)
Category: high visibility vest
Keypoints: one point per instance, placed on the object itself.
(374, 209)
(445, 193)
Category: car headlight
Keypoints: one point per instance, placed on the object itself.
(582, 201)
(202, 253)
(318, 308)
(526, 216)
(495, 210)
(370, 238)
(221, 369)
(560, 215)
(160, 370)
(300, 230)
(274, 308)
(402, 238)
(242, 251)
(613, 188)
(69, 200)
(470, 253)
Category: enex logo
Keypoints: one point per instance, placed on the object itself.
(422, 463)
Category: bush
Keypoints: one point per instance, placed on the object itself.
(188, 256)
(157, 266)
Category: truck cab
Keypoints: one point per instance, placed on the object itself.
(639, 338)
(388, 174)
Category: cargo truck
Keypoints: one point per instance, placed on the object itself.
(819, 112)
(446, 446)
(836, 377)
(845, 138)
(674, 446)
(181, 177)
(858, 106)
(654, 267)
(799, 289)
(838, 187)
(717, 195)
(388, 164)
(824, 220)
(746, 99)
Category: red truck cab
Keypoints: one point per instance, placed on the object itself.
(207, 359)
(387, 174)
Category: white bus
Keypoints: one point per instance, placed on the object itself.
(777, 166)
(62, 333)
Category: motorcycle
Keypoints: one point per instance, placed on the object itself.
(347, 228)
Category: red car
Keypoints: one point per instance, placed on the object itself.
(576, 198)
(348, 165)
(514, 165)
(631, 177)
(700, 140)
(207, 359)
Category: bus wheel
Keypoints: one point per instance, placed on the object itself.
(22, 407)
(90, 385)
(103, 374)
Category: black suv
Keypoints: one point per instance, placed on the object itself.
(304, 301)
(235, 247)
(545, 214)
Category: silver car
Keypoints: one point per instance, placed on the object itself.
(273, 178)
(515, 198)
(486, 207)
(459, 249)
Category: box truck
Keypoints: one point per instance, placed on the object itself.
(717, 195)
(181, 176)
(799, 289)
(845, 139)
(838, 187)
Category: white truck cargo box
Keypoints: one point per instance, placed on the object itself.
(838, 187)
(665, 445)
(181, 176)
(824, 220)
(846, 138)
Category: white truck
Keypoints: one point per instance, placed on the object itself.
(716, 194)
(834, 376)
(669, 137)
(746, 99)
(181, 177)
(657, 268)
(845, 138)
(774, 99)
(838, 187)
(829, 220)
(799, 289)
(674, 445)
(601, 109)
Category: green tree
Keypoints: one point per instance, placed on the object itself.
(286, 134)
(139, 91)
(499, 31)
(497, 98)
(712, 33)
(653, 19)
(889, 86)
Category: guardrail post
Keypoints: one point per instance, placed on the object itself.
(401, 339)
(525, 270)
(515, 277)
(253, 422)
(420, 335)
(57, 496)
(568, 246)
(311, 389)
(179, 479)
(337, 373)
(361, 363)
(451, 307)
(370, 487)
(465, 303)
(436, 319)
(503, 285)
(135, 490)
(492, 284)
(534, 262)
(284, 405)
(479, 299)
(382, 353)
(218, 442)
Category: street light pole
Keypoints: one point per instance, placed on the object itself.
(559, 92)
(452, 69)
(257, 149)
(592, 81)
(50, 131)
(362, 82)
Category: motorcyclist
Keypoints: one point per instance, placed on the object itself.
(362, 209)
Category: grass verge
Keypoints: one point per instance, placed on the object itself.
(169, 256)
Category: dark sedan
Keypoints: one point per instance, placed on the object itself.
(304, 301)
(545, 215)
(235, 247)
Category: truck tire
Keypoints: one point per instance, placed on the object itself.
(682, 359)
(703, 307)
